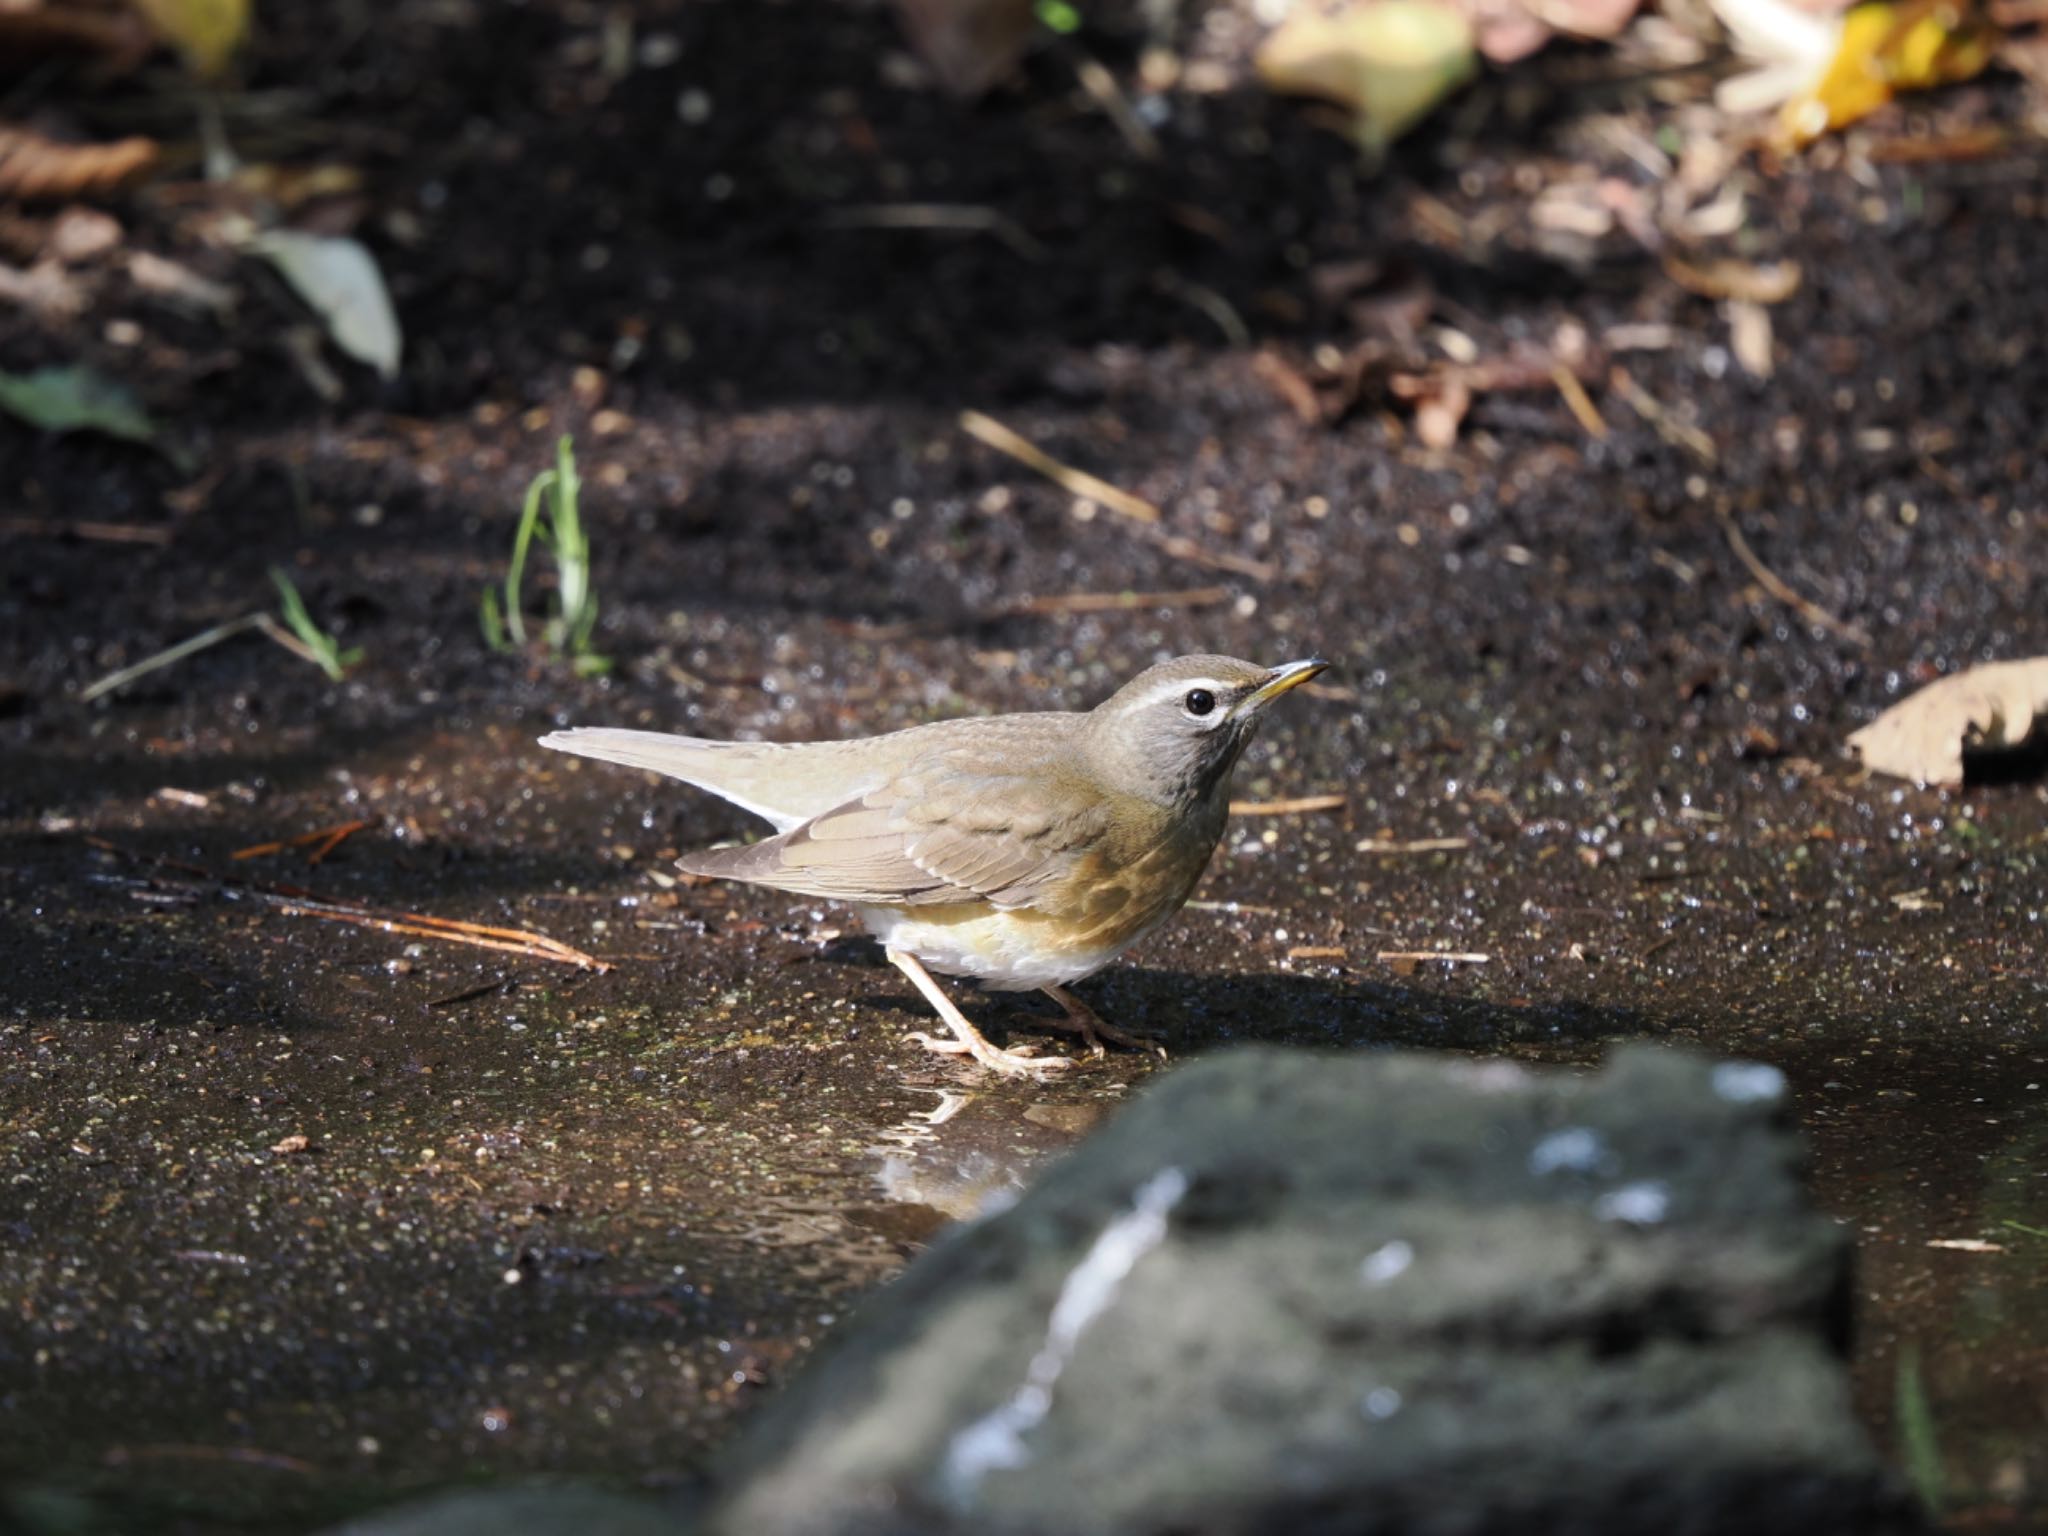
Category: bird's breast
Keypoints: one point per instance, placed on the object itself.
(1071, 929)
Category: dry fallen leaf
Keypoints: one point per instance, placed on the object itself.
(1508, 30)
(970, 45)
(35, 168)
(1728, 277)
(1388, 61)
(1988, 708)
(206, 32)
(340, 279)
(1825, 72)
(1750, 337)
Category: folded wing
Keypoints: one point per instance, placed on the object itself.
(925, 839)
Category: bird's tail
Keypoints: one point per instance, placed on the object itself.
(728, 769)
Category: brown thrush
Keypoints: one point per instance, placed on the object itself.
(1025, 850)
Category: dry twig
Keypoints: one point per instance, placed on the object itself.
(418, 925)
(970, 217)
(1076, 482)
(1783, 591)
(1187, 549)
(298, 903)
(327, 838)
(1413, 845)
(199, 642)
(1579, 402)
(1103, 90)
(1111, 602)
(1678, 433)
(1294, 807)
(105, 533)
(1080, 484)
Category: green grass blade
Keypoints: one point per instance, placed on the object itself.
(492, 622)
(1918, 1441)
(326, 653)
(515, 573)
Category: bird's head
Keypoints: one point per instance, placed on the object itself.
(1173, 733)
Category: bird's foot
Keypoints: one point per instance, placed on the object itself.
(1014, 1063)
(1093, 1029)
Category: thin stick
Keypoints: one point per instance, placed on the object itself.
(1667, 426)
(1076, 482)
(1102, 88)
(1413, 845)
(240, 1455)
(334, 840)
(1448, 957)
(298, 903)
(1293, 807)
(472, 992)
(1317, 952)
(1210, 303)
(1112, 602)
(291, 642)
(1579, 402)
(1782, 590)
(478, 936)
(199, 642)
(328, 837)
(970, 217)
(1332, 691)
(105, 533)
(1187, 549)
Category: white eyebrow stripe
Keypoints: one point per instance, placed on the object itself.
(1161, 692)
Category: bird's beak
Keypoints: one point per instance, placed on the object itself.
(1284, 679)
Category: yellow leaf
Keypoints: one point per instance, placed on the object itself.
(206, 32)
(1886, 48)
(1388, 61)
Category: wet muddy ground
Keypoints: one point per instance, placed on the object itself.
(298, 1216)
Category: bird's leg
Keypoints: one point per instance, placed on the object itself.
(1094, 1029)
(971, 1042)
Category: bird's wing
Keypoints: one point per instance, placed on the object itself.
(944, 831)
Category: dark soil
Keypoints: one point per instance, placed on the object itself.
(543, 1220)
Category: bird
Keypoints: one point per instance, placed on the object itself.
(1026, 851)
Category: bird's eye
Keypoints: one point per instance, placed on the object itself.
(1200, 701)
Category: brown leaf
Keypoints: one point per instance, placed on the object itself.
(1727, 277)
(1508, 30)
(29, 35)
(1987, 708)
(970, 45)
(34, 168)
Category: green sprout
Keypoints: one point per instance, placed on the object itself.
(1058, 16)
(550, 516)
(320, 648)
(1917, 1436)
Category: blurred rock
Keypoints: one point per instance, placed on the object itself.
(536, 1511)
(1302, 1293)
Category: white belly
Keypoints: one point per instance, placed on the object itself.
(1005, 951)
